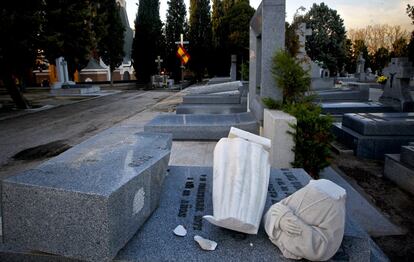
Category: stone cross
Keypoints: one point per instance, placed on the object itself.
(397, 90)
(302, 33)
(159, 61)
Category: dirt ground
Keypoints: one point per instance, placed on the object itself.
(396, 204)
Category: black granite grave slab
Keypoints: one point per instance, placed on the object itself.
(186, 198)
(366, 146)
(380, 124)
(399, 172)
(407, 155)
(201, 127)
(340, 108)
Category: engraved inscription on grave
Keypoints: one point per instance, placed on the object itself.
(194, 199)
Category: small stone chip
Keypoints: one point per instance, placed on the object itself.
(180, 231)
(205, 244)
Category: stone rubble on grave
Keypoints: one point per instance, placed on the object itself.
(205, 244)
(180, 231)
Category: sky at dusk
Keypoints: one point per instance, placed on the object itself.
(356, 13)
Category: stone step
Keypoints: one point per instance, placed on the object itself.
(211, 99)
(407, 155)
(89, 201)
(215, 88)
(399, 173)
(211, 108)
(202, 127)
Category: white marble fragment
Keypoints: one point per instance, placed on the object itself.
(180, 231)
(240, 179)
(205, 244)
(310, 223)
(236, 132)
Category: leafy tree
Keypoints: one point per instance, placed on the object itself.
(20, 25)
(327, 43)
(67, 31)
(376, 36)
(175, 26)
(111, 43)
(147, 44)
(410, 48)
(359, 47)
(200, 37)
(399, 48)
(349, 57)
(380, 59)
(230, 21)
(410, 12)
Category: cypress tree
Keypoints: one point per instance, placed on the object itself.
(147, 42)
(175, 26)
(67, 31)
(111, 43)
(200, 37)
(20, 28)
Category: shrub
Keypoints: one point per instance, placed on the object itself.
(290, 77)
(312, 134)
(312, 137)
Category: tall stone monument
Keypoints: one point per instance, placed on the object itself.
(397, 90)
(267, 34)
(62, 74)
(233, 68)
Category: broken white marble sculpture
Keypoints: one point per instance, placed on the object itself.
(309, 223)
(205, 244)
(236, 132)
(240, 179)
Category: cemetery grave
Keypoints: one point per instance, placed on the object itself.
(115, 197)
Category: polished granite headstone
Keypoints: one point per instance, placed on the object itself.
(211, 108)
(186, 198)
(88, 202)
(372, 135)
(202, 127)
